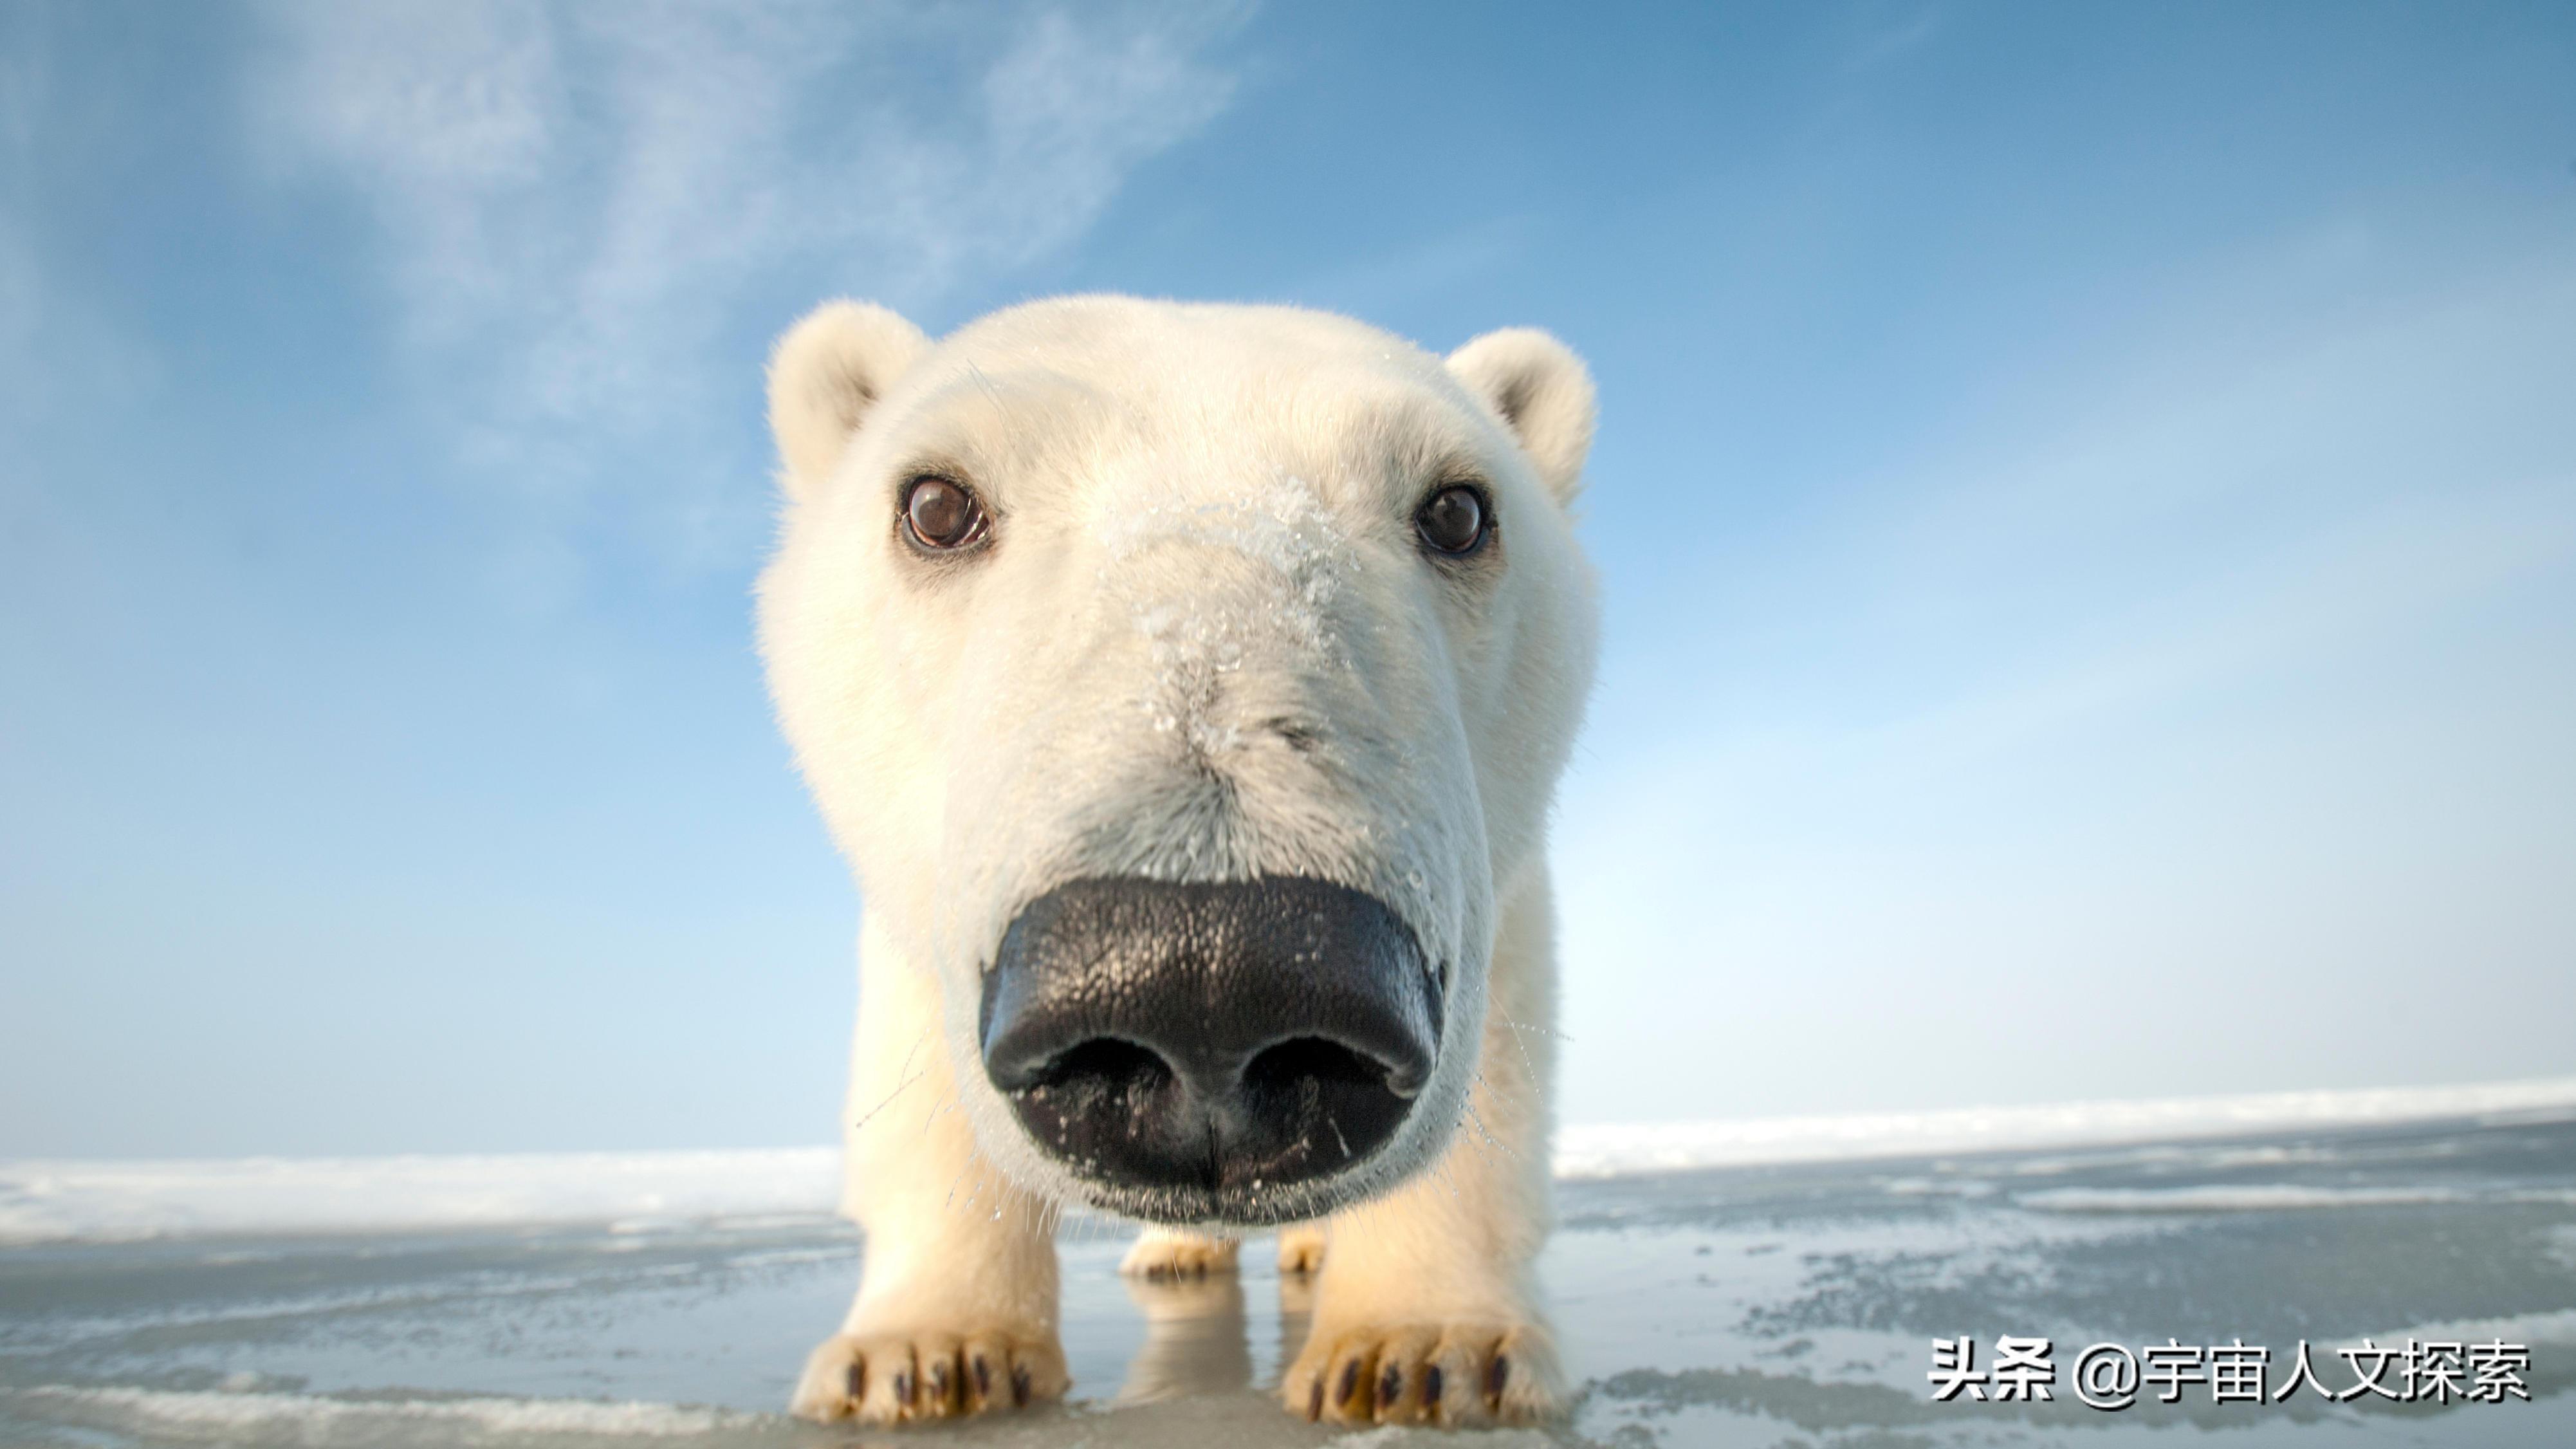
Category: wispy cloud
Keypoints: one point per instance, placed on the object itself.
(579, 202)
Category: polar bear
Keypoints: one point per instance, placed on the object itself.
(1186, 685)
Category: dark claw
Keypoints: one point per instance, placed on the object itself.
(1497, 1375)
(939, 1383)
(1432, 1382)
(1315, 1402)
(1350, 1382)
(1390, 1387)
(983, 1378)
(1020, 1386)
(902, 1387)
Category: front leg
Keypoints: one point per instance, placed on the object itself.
(1427, 1307)
(956, 1310)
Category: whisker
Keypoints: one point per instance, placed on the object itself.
(904, 1071)
(963, 1169)
(944, 1102)
(1503, 1147)
(1521, 1043)
(1498, 1096)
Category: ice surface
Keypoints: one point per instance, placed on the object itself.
(306, 1418)
(1778, 1304)
(2259, 1197)
(1680, 1146)
(44, 1201)
(56, 1200)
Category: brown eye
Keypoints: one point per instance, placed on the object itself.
(941, 514)
(1453, 521)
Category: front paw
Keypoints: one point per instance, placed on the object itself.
(895, 1377)
(1301, 1250)
(1168, 1253)
(1425, 1373)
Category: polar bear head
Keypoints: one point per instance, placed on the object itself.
(1185, 685)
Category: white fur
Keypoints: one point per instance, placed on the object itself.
(1203, 643)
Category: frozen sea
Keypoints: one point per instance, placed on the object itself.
(1753, 1284)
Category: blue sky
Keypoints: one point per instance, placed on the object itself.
(2087, 497)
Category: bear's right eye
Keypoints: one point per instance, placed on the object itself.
(1453, 520)
(941, 514)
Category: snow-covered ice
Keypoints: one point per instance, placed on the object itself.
(1752, 1284)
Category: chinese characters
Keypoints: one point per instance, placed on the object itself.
(2111, 1377)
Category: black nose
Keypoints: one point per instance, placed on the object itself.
(1198, 1049)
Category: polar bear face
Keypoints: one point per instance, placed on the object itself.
(1184, 683)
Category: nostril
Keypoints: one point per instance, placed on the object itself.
(1328, 1101)
(1285, 1068)
(1095, 1094)
(1105, 1066)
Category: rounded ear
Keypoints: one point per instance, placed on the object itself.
(824, 375)
(1542, 392)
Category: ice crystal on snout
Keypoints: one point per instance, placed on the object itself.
(1259, 576)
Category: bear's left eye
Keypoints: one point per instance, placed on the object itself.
(1453, 520)
(942, 514)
